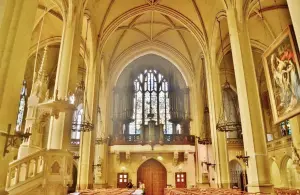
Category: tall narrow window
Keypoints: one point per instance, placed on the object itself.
(22, 106)
(77, 118)
(285, 128)
(150, 99)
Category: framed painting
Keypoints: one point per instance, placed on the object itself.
(281, 65)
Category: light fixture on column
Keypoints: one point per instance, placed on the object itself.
(101, 140)
(245, 158)
(97, 165)
(82, 120)
(226, 123)
(13, 139)
(76, 156)
(208, 164)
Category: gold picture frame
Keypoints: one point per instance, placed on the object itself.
(281, 66)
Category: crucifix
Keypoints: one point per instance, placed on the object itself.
(11, 139)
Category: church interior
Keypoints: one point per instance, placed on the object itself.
(149, 97)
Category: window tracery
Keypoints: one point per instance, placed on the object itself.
(151, 100)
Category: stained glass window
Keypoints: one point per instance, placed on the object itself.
(285, 128)
(22, 106)
(150, 97)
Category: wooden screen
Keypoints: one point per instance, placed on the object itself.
(180, 180)
(122, 180)
(154, 176)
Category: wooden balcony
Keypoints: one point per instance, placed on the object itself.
(168, 139)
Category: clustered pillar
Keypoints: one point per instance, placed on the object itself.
(249, 102)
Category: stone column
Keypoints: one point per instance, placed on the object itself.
(294, 7)
(15, 36)
(220, 175)
(87, 145)
(59, 131)
(249, 102)
(101, 151)
(16, 23)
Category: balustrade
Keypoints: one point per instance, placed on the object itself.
(284, 142)
(177, 139)
(36, 168)
(21, 170)
(169, 139)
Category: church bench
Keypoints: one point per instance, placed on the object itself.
(206, 191)
(115, 191)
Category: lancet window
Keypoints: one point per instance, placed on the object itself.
(151, 101)
(22, 106)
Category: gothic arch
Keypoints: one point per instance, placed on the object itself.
(284, 170)
(152, 158)
(143, 49)
(275, 172)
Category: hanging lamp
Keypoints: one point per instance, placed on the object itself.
(83, 125)
(205, 135)
(226, 123)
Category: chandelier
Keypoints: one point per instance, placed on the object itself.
(226, 122)
(205, 136)
(82, 119)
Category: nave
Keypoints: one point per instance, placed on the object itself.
(167, 96)
(193, 191)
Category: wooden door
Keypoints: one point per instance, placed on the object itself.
(122, 180)
(180, 180)
(154, 176)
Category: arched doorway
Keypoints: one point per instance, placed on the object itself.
(237, 176)
(72, 188)
(154, 176)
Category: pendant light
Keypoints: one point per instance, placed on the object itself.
(84, 122)
(205, 135)
(226, 123)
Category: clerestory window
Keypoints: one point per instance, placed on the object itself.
(22, 106)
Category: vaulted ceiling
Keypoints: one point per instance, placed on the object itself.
(128, 23)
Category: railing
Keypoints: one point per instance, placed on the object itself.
(235, 142)
(284, 142)
(177, 139)
(169, 139)
(25, 169)
(126, 139)
(38, 168)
